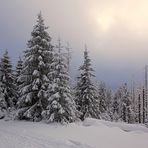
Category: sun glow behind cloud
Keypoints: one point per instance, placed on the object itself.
(131, 13)
(116, 31)
(105, 20)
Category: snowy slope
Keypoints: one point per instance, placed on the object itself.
(121, 125)
(89, 134)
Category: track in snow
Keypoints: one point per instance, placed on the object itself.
(14, 137)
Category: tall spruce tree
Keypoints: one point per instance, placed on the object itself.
(104, 101)
(37, 59)
(116, 105)
(102, 98)
(86, 92)
(109, 100)
(18, 70)
(139, 114)
(126, 105)
(61, 106)
(7, 87)
(138, 108)
(19, 67)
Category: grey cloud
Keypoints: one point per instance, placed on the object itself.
(118, 50)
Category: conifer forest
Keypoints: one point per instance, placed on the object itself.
(40, 88)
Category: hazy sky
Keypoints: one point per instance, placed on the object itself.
(115, 31)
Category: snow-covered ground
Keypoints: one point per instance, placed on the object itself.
(89, 134)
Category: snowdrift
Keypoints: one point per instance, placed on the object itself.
(91, 133)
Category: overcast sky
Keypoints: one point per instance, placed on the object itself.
(115, 31)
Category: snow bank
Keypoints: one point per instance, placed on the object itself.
(121, 125)
(89, 134)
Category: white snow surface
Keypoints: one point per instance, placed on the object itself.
(91, 133)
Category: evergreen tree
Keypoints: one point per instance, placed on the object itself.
(105, 99)
(3, 104)
(115, 106)
(86, 92)
(18, 70)
(61, 106)
(126, 105)
(68, 56)
(7, 87)
(19, 67)
(37, 59)
(102, 98)
(138, 109)
(139, 116)
(109, 102)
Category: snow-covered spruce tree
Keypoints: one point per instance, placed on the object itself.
(109, 101)
(18, 70)
(86, 93)
(105, 101)
(7, 87)
(138, 111)
(36, 66)
(115, 105)
(138, 108)
(3, 104)
(61, 105)
(19, 67)
(102, 98)
(126, 105)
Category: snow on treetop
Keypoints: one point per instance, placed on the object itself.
(40, 58)
(35, 73)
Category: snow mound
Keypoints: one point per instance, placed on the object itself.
(91, 133)
(137, 128)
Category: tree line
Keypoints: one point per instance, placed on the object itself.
(40, 88)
